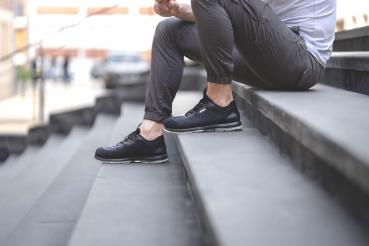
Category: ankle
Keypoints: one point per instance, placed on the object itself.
(151, 130)
(220, 94)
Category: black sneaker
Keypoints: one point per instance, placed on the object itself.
(206, 116)
(134, 149)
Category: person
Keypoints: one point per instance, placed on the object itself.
(52, 69)
(66, 75)
(269, 44)
(35, 73)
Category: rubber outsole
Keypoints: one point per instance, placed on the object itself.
(213, 128)
(133, 160)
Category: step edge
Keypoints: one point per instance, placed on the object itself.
(361, 168)
(209, 231)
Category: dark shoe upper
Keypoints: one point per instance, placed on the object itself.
(205, 113)
(133, 146)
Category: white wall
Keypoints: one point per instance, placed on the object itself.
(346, 9)
(128, 32)
(6, 46)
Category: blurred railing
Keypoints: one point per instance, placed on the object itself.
(34, 76)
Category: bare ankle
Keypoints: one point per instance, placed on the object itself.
(220, 94)
(151, 130)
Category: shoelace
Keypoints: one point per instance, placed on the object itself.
(202, 104)
(131, 136)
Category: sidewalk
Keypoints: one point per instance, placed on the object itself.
(20, 112)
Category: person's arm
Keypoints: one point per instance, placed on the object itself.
(167, 8)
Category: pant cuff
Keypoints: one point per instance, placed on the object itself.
(218, 80)
(155, 116)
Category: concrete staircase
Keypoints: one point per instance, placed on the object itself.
(349, 68)
(298, 174)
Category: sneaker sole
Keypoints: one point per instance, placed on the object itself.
(228, 127)
(153, 160)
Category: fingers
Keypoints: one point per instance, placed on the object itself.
(173, 3)
(161, 11)
(163, 4)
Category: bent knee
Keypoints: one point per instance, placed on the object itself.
(167, 27)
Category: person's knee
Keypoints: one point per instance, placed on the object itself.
(197, 6)
(166, 28)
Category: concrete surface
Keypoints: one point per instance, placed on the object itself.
(250, 195)
(138, 204)
(357, 61)
(332, 123)
(26, 188)
(352, 40)
(348, 71)
(53, 217)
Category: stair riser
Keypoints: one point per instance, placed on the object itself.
(13, 144)
(352, 80)
(352, 40)
(63, 123)
(208, 231)
(351, 196)
(108, 105)
(355, 44)
(38, 135)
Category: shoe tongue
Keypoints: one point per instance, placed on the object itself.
(138, 131)
(207, 99)
(205, 96)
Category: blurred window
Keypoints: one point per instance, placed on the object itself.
(19, 11)
(124, 58)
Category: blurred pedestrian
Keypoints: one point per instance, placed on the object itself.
(66, 63)
(52, 69)
(34, 71)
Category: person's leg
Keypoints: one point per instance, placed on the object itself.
(173, 40)
(217, 43)
(276, 55)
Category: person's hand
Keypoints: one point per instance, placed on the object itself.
(166, 8)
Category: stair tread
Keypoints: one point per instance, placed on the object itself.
(356, 61)
(19, 168)
(138, 204)
(353, 34)
(250, 195)
(15, 164)
(52, 219)
(31, 183)
(330, 122)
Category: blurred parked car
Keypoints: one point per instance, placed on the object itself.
(97, 70)
(124, 69)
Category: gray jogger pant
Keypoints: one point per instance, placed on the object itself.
(242, 40)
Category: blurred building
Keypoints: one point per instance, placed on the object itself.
(352, 14)
(6, 46)
(21, 32)
(113, 25)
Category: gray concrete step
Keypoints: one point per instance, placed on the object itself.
(356, 60)
(11, 172)
(352, 40)
(247, 194)
(138, 204)
(31, 183)
(14, 164)
(349, 71)
(324, 131)
(52, 219)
